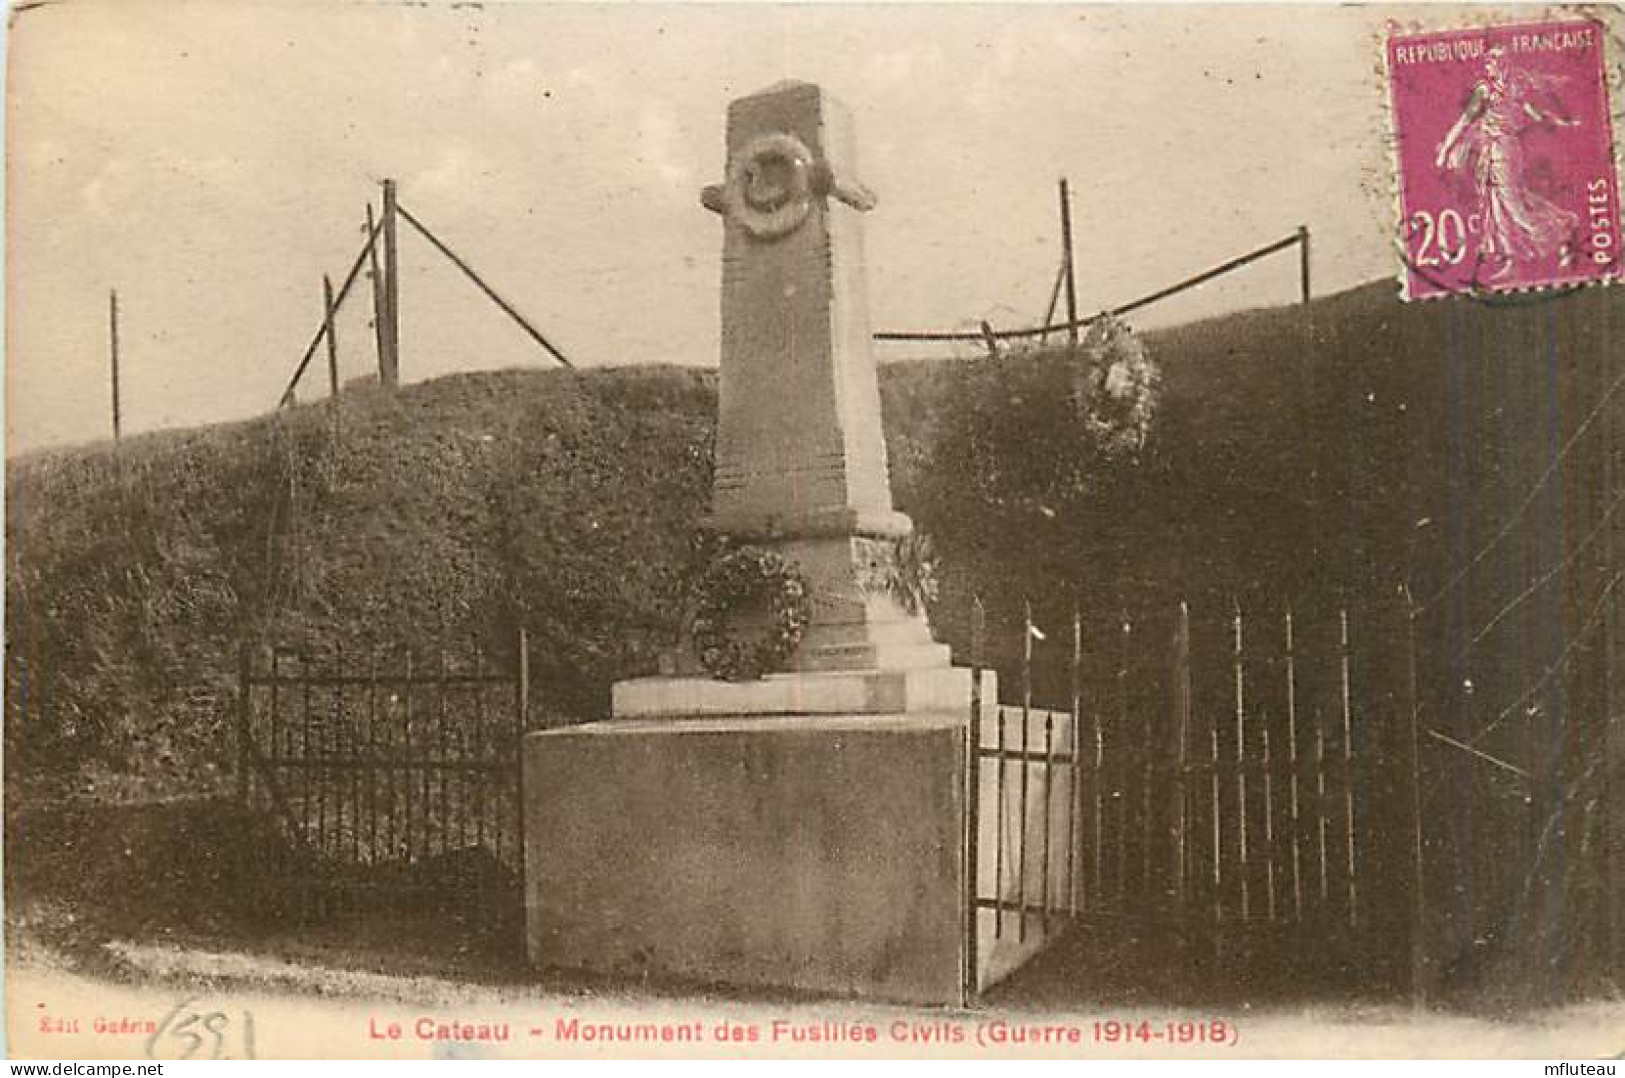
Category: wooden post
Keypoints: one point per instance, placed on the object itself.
(112, 326)
(329, 316)
(389, 360)
(377, 292)
(1069, 266)
(1303, 263)
(1054, 298)
(288, 397)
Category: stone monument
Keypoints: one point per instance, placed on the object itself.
(801, 455)
(804, 830)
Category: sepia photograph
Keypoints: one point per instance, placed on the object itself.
(814, 531)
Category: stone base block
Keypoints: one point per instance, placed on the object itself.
(884, 643)
(873, 657)
(823, 854)
(849, 692)
(887, 628)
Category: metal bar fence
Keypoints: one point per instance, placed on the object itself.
(1250, 835)
(391, 784)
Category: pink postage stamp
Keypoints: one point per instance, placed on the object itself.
(1505, 157)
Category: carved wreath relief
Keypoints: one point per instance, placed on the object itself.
(771, 183)
(769, 189)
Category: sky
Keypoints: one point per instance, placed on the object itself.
(211, 160)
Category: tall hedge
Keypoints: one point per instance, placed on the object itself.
(1289, 450)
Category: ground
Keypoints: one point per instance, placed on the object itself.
(113, 915)
(414, 989)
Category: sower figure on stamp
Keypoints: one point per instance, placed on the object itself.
(1486, 143)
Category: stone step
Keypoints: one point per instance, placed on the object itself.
(872, 657)
(854, 692)
(899, 631)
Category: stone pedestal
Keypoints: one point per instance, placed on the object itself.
(840, 692)
(807, 830)
(823, 854)
(856, 625)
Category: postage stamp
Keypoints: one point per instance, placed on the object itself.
(1505, 158)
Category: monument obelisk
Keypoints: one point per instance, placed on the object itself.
(801, 454)
(805, 830)
(799, 445)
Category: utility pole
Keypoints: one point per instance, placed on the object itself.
(330, 322)
(112, 325)
(389, 362)
(1303, 263)
(377, 292)
(329, 314)
(1068, 266)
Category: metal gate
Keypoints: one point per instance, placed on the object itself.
(1207, 789)
(392, 776)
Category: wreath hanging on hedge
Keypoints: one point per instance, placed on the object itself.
(739, 578)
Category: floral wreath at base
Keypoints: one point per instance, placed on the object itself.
(739, 578)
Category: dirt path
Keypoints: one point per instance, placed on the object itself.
(167, 998)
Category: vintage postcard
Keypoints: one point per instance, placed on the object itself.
(814, 531)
